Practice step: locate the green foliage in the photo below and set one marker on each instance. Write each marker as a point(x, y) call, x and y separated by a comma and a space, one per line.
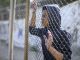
point(60, 2)
point(5, 3)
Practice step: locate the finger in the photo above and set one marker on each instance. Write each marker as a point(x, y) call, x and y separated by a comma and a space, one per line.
point(49, 33)
point(34, 1)
point(50, 37)
point(45, 38)
point(34, 4)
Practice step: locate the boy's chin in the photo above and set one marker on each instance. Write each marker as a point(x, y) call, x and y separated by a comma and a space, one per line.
point(42, 26)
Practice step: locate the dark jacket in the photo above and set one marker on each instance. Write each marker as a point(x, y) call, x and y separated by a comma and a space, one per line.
point(61, 38)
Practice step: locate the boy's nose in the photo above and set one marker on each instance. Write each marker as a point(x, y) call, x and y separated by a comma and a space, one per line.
point(42, 19)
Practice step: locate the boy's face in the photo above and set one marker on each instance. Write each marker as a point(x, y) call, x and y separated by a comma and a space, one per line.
point(45, 22)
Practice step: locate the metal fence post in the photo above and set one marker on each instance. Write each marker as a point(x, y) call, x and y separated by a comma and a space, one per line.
point(11, 21)
point(26, 30)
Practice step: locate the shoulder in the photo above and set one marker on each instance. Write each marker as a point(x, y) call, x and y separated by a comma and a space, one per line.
point(65, 33)
point(68, 36)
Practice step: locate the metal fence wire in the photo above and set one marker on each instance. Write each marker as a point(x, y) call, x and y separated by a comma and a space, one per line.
point(61, 19)
point(62, 39)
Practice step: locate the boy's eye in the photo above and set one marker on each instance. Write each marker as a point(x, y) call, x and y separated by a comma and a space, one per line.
point(43, 16)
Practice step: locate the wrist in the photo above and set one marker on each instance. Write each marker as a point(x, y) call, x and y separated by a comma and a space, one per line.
point(50, 48)
point(33, 12)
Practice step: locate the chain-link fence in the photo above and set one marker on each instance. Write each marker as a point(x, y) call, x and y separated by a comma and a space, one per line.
point(70, 21)
point(69, 11)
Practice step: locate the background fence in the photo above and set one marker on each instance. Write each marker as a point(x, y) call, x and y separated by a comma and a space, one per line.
point(70, 12)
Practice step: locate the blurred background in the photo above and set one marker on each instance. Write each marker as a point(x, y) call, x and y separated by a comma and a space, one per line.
point(70, 14)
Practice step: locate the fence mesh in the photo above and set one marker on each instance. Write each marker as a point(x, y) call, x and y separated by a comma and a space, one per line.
point(61, 43)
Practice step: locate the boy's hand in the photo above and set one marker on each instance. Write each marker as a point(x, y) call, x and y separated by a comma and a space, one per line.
point(49, 40)
point(34, 6)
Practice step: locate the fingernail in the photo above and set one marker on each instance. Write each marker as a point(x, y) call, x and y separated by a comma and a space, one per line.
point(44, 36)
point(49, 32)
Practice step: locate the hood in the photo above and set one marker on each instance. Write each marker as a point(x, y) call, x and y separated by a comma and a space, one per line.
point(54, 16)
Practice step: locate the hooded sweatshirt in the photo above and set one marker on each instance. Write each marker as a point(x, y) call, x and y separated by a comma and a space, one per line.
point(60, 37)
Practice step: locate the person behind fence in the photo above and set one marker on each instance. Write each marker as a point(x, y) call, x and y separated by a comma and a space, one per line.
point(55, 42)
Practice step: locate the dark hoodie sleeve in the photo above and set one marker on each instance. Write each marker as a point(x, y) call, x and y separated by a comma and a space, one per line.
point(35, 31)
point(67, 53)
